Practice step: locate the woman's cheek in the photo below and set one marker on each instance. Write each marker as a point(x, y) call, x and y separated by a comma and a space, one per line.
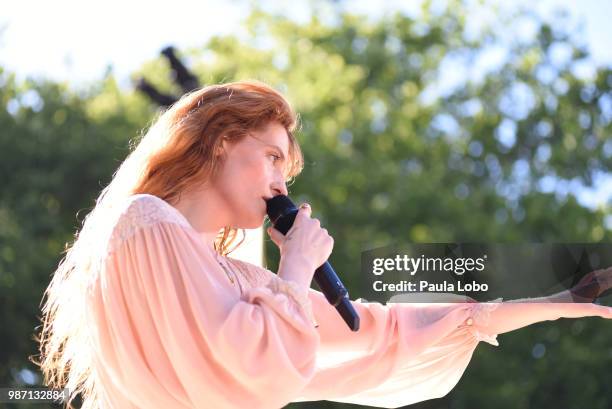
point(265, 171)
point(257, 175)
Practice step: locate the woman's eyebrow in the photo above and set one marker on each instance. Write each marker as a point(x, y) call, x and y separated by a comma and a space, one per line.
point(282, 155)
point(278, 149)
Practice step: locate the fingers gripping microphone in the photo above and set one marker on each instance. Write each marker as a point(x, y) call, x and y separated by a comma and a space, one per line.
point(282, 212)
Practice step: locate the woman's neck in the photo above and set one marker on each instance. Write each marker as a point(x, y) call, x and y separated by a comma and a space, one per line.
point(205, 214)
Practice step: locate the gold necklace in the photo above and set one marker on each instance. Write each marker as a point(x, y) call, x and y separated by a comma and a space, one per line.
point(225, 269)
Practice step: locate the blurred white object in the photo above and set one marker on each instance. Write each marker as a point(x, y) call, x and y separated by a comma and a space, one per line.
point(251, 250)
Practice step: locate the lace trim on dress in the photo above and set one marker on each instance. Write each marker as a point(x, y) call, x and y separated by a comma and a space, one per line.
point(296, 293)
point(480, 317)
point(256, 277)
point(262, 277)
point(142, 210)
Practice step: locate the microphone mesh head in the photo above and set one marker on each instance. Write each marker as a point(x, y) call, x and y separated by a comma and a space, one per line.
point(278, 206)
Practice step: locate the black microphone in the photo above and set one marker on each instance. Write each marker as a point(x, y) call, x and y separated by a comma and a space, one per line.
point(282, 212)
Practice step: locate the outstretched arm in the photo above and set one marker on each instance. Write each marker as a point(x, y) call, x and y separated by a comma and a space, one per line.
point(573, 303)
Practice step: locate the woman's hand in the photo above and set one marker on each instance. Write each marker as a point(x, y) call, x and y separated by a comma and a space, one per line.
point(592, 285)
point(584, 309)
point(581, 296)
point(573, 303)
point(304, 248)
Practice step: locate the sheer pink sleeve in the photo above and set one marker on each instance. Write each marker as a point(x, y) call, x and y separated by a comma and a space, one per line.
point(170, 331)
point(402, 353)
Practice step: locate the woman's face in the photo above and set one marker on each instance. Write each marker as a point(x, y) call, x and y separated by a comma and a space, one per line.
point(254, 169)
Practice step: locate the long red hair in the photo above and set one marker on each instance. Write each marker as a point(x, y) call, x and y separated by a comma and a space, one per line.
point(198, 123)
point(174, 156)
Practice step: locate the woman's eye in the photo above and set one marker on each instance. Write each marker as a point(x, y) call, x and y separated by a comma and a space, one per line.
point(276, 157)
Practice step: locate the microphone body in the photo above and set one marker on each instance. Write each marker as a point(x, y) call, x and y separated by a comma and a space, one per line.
point(282, 213)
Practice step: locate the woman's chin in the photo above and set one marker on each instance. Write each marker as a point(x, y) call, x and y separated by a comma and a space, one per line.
point(252, 224)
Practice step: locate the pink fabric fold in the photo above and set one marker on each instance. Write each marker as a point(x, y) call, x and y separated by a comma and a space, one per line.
point(169, 330)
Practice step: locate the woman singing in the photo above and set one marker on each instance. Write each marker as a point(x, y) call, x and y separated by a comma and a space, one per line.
point(146, 310)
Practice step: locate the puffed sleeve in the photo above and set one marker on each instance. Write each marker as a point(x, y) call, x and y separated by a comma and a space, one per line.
point(403, 353)
point(170, 330)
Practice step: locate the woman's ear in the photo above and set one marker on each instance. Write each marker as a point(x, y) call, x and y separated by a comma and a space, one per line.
point(220, 149)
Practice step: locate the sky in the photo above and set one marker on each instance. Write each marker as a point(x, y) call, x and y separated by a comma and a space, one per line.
point(73, 41)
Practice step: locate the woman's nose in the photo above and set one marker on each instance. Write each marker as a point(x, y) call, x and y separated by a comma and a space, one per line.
point(280, 188)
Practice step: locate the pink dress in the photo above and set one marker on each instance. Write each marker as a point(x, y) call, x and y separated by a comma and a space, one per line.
point(169, 330)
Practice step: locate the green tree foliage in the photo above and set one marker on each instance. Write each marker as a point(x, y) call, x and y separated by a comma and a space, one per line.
point(388, 160)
